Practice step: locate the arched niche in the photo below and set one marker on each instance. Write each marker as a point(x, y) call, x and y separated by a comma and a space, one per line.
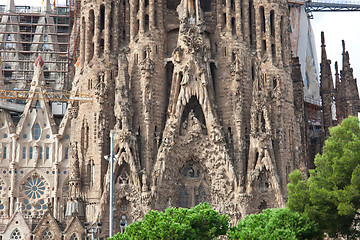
point(193, 188)
point(122, 175)
point(205, 5)
point(171, 40)
point(172, 4)
point(192, 117)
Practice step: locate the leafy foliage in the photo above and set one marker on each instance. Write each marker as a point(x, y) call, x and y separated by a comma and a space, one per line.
point(275, 224)
point(200, 222)
point(331, 195)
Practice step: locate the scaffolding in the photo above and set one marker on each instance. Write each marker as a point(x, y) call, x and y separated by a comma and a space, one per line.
point(26, 33)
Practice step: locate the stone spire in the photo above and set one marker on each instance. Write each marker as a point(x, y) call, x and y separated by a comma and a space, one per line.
point(349, 98)
point(338, 92)
point(326, 90)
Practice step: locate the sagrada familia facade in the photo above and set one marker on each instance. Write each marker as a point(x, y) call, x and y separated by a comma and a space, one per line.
point(203, 99)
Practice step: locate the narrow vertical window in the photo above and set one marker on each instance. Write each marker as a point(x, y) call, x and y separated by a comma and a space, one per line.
point(24, 153)
point(102, 17)
point(4, 154)
point(262, 18)
point(47, 153)
point(40, 152)
point(30, 152)
point(66, 153)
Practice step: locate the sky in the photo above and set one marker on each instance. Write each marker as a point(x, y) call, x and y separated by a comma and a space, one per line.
point(337, 26)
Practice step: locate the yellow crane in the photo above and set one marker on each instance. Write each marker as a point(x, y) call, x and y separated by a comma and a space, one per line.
point(57, 96)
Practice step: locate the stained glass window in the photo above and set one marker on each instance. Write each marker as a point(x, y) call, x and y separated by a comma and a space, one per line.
point(47, 234)
point(40, 152)
point(36, 132)
point(4, 153)
point(34, 188)
point(66, 153)
point(74, 237)
point(201, 197)
point(183, 197)
point(30, 152)
point(2, 208)
point(24, 153)
point(16, 234)
point(47, 153)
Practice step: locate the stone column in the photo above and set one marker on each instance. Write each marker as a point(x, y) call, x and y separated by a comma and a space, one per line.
point(245, 20)
point(82, 41)
point(160, 18)
point(267, 33)
point(238, 20)
point(258, 29)
point(142, 16)
point(116, 28)
point(133, 19)
point(152, 24)
point(108, 33)
point(97, 33)
point(89, 39)
point(228, 16)
point(12, 168)
point(277, 40)
point(219, 14)
point(56, 186)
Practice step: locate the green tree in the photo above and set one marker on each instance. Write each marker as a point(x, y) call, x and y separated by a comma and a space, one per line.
point(331, 195)
point(275, 224)
point(200, 222)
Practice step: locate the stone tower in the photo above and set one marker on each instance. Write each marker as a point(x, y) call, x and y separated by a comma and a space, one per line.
point(199, 97)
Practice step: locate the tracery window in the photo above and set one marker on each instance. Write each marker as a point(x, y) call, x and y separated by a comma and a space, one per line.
point(193, 186)
point(47, 234)
point(74, 237)
point(16, 234)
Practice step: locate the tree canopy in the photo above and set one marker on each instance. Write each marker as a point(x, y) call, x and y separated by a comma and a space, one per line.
point(200, 222)
point(331, 195)
point(275, 224)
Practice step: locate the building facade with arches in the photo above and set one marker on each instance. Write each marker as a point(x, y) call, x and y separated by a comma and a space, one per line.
point(204, 102)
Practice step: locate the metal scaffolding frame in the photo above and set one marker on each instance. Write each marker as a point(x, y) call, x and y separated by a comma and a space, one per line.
point(18, 54)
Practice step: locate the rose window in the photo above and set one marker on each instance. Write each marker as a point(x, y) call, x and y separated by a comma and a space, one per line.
point(34, 188)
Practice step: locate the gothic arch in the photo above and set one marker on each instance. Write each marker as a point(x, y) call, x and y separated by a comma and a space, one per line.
point(123, 174)
point(192, 115)
point(193, 184)
point(171, 41)
point(16, 234)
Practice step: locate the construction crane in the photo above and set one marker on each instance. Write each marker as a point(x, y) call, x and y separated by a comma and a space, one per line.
point(326, 6)
point(12, 98)
point(50, 96)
